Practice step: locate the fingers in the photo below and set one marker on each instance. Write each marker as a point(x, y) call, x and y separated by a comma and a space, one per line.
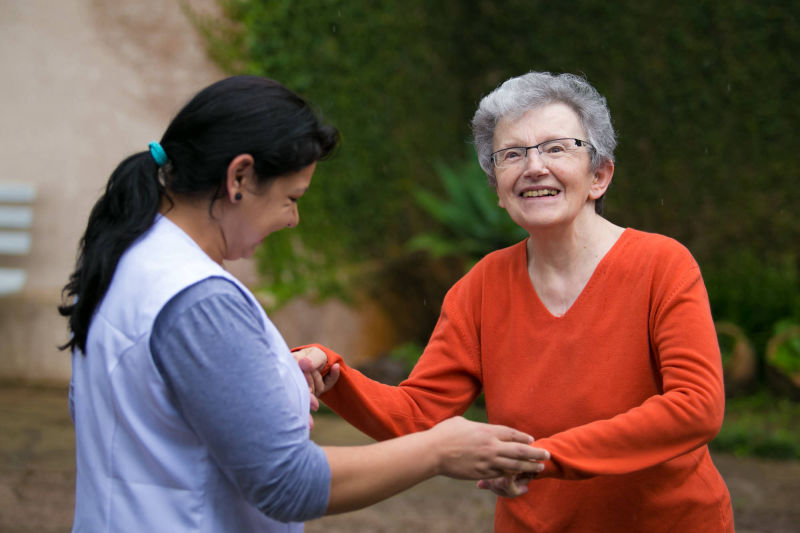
point(317, 383)
point(330, 380)
point(506, 486)
point(508, 434)
point(482, 451)
point(507, 466)
point(527, 453)
point(300, 354)
point(317, 357)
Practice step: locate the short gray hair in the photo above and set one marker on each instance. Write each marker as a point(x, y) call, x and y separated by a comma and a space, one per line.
point(536, 89)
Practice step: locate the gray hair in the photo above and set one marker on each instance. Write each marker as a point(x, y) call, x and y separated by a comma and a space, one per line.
point(536, 89)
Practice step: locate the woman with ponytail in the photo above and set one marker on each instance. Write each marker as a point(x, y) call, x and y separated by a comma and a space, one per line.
point(190, 412)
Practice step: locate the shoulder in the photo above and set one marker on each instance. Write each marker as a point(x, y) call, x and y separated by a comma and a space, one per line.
point(490, 274)
point(497, 261)
point(663, 264)
point(216, 298)
point(653, 249)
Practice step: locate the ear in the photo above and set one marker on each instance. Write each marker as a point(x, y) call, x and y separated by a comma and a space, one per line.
point(601, 180)
point(240, 176)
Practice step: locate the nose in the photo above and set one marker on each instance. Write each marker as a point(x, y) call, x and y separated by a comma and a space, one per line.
point(534, 162)
point(294, 218)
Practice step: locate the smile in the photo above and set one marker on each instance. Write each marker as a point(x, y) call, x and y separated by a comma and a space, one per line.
point(539, 192)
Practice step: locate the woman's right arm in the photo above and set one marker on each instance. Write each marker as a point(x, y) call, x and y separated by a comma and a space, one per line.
point(444, 382)
point(363, 475)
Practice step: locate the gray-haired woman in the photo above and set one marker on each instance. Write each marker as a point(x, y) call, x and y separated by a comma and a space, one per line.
point(596, 339)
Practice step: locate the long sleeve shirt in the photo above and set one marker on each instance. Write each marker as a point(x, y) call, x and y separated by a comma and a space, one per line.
point(209, 346)
point(624, 390)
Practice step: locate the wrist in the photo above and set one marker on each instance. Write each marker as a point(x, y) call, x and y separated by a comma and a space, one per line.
point(431, 451)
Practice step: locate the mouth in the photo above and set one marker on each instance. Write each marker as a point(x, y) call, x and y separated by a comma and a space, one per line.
point(538, 193)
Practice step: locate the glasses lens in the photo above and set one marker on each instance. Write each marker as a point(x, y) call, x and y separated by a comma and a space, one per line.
point(509, 156)
point(557, 147)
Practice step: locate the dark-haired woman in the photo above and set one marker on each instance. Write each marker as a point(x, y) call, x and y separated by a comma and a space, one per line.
point(190, 413)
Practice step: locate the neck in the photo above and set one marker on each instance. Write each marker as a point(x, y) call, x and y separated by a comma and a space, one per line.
point(564, 250)
point(193, 217)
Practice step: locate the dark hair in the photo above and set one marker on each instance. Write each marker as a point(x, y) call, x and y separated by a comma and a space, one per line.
point(237, 115)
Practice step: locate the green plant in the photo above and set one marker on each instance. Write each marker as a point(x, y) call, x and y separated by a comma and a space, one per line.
point(407, 353)
point(704, 101)
point(471, 222)
point(784, 348)
point(760, 425)
point(754, 292)
point(380, 74)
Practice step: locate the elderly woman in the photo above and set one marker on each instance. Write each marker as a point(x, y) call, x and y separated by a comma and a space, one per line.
point(596, 339)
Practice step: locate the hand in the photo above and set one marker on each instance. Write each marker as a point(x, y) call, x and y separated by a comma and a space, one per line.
point(312, 360)
point(509, 486)
point(471, 450)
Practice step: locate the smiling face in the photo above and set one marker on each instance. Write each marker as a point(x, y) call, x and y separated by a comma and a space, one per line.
point(541, 193)
point(262, 210)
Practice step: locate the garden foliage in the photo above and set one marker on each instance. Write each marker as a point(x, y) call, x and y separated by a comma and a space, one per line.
point(703, 95)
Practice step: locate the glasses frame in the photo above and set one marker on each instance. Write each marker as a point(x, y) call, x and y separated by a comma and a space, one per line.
point(579, 143)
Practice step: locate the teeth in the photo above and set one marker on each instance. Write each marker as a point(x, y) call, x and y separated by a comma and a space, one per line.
point(539, 192)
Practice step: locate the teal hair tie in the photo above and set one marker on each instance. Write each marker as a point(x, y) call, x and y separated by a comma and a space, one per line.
point(158, 153)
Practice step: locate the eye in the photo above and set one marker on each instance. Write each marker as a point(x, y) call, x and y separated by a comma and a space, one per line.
point(558, 146)
point(511, 154)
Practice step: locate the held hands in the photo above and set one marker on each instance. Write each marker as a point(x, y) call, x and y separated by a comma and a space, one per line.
point(471, 450)
point(508, 486)
point(311, 361)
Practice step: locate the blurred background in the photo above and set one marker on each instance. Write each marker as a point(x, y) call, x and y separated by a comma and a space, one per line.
point(703, 95)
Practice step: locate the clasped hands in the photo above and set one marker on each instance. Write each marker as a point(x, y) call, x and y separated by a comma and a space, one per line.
point(312, 362)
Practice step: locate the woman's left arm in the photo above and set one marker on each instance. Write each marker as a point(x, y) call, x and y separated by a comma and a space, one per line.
point(686, 415)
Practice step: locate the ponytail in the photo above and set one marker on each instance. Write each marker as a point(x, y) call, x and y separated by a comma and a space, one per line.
point(237, 115)
point(125, 211)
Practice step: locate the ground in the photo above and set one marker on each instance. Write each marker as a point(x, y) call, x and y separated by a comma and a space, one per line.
point(37, 476)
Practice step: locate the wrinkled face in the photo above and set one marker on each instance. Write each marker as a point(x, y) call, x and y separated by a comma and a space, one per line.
point(537, 192)
point(264, 210)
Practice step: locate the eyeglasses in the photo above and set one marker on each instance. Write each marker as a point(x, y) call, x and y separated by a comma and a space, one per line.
point(552, 150)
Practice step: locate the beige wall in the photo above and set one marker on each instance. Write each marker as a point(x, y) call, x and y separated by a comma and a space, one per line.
point(85, 83)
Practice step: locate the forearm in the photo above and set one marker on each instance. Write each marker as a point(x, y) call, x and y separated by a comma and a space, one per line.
point(438, 388)
point(661, 429)
point(381, 411)
point(457, 448)
point(364, 475)
point(687, 413)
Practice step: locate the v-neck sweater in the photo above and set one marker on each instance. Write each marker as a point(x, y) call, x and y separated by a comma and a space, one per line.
point(624, 390)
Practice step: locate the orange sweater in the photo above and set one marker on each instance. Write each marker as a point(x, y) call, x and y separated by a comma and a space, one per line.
point(625, 389)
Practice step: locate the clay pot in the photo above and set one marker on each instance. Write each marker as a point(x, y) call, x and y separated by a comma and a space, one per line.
point(739, 363)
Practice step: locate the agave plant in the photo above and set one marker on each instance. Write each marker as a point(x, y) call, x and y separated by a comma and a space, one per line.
point(472, 224)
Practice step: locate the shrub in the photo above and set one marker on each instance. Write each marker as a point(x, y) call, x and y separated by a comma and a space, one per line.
point(702, 94)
